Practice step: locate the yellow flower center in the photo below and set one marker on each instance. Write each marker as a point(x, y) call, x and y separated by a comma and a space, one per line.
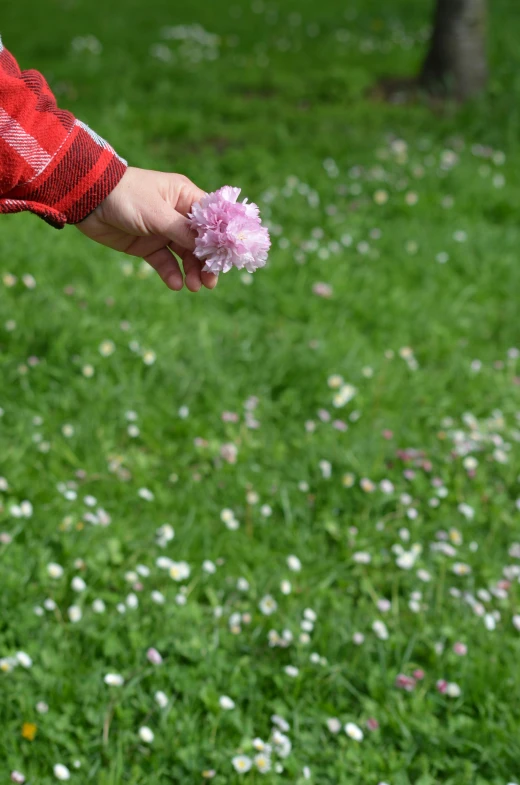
point(29, 730)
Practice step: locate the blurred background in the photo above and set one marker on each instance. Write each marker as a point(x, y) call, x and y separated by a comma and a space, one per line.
point(333, 441)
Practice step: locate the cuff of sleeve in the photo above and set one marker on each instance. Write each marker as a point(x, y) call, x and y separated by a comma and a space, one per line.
point(72, 187)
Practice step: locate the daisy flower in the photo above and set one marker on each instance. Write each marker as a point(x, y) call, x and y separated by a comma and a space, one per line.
point(294, 563)
point(268, 605)
point(114, 680)
point(242, 763)
point(354, 731)
point(262, 762)
point(226, 703)
point(146, 734)
point(61, 772)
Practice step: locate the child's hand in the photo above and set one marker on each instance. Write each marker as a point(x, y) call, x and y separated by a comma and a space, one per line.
point(145, 215)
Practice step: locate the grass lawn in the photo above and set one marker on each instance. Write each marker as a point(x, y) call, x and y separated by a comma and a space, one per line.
point(333, 441)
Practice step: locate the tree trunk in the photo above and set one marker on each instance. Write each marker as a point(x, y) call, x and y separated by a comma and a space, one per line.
point(456, 62)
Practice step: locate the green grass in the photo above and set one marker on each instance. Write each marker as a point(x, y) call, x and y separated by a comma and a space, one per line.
point(283, 96)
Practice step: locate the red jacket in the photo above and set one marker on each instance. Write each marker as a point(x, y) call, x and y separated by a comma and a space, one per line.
point(50, 163)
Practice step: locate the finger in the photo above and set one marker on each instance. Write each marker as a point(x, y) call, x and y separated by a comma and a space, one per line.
point(168, 268)
point(144, 246)
point(188, 194)
point(192, 271)
point(176, 227)
point(209, 280)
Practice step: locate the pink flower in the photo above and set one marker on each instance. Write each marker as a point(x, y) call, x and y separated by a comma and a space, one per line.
point(153, 656)
point(372, 723)
point(442, 686)
point(322, 289)
point(419, 674)
point(229, 453)
point(229, 417)
point(17, 776)
point(405, 682)
point(229, 233)
point(460, 648)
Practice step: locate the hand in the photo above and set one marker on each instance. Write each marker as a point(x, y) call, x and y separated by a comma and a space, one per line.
point(145, 215)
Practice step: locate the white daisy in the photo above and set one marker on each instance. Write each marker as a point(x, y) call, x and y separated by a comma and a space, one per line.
point(161, 699)
point(106, 348)
point(268, 605)
point(145, 494)
point(334, 725)
point(294, 563)
point(242, 763)
point(180, 571)
point(78, 584)
point(114, 680)
point(61, 772)
point(75, 613)
point(380, 630)
point(354, 731)
point(146, 734)
point(54, 570)
point(23, 659)
point(262, 762)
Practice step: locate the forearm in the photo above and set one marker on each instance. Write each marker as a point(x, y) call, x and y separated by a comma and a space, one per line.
point(50, 163)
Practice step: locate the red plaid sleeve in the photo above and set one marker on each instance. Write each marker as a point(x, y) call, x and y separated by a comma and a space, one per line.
point(50, 163)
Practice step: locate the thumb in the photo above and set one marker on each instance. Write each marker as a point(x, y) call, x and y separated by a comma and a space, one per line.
point(187, 196)
point(169, 223)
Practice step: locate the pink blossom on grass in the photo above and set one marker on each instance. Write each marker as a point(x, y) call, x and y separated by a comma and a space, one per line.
point(229, 417)
point(229, 452)
point(406, 683)
point(322, 289)
point(154, 657)
point(460, 648)
point(229, 233)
